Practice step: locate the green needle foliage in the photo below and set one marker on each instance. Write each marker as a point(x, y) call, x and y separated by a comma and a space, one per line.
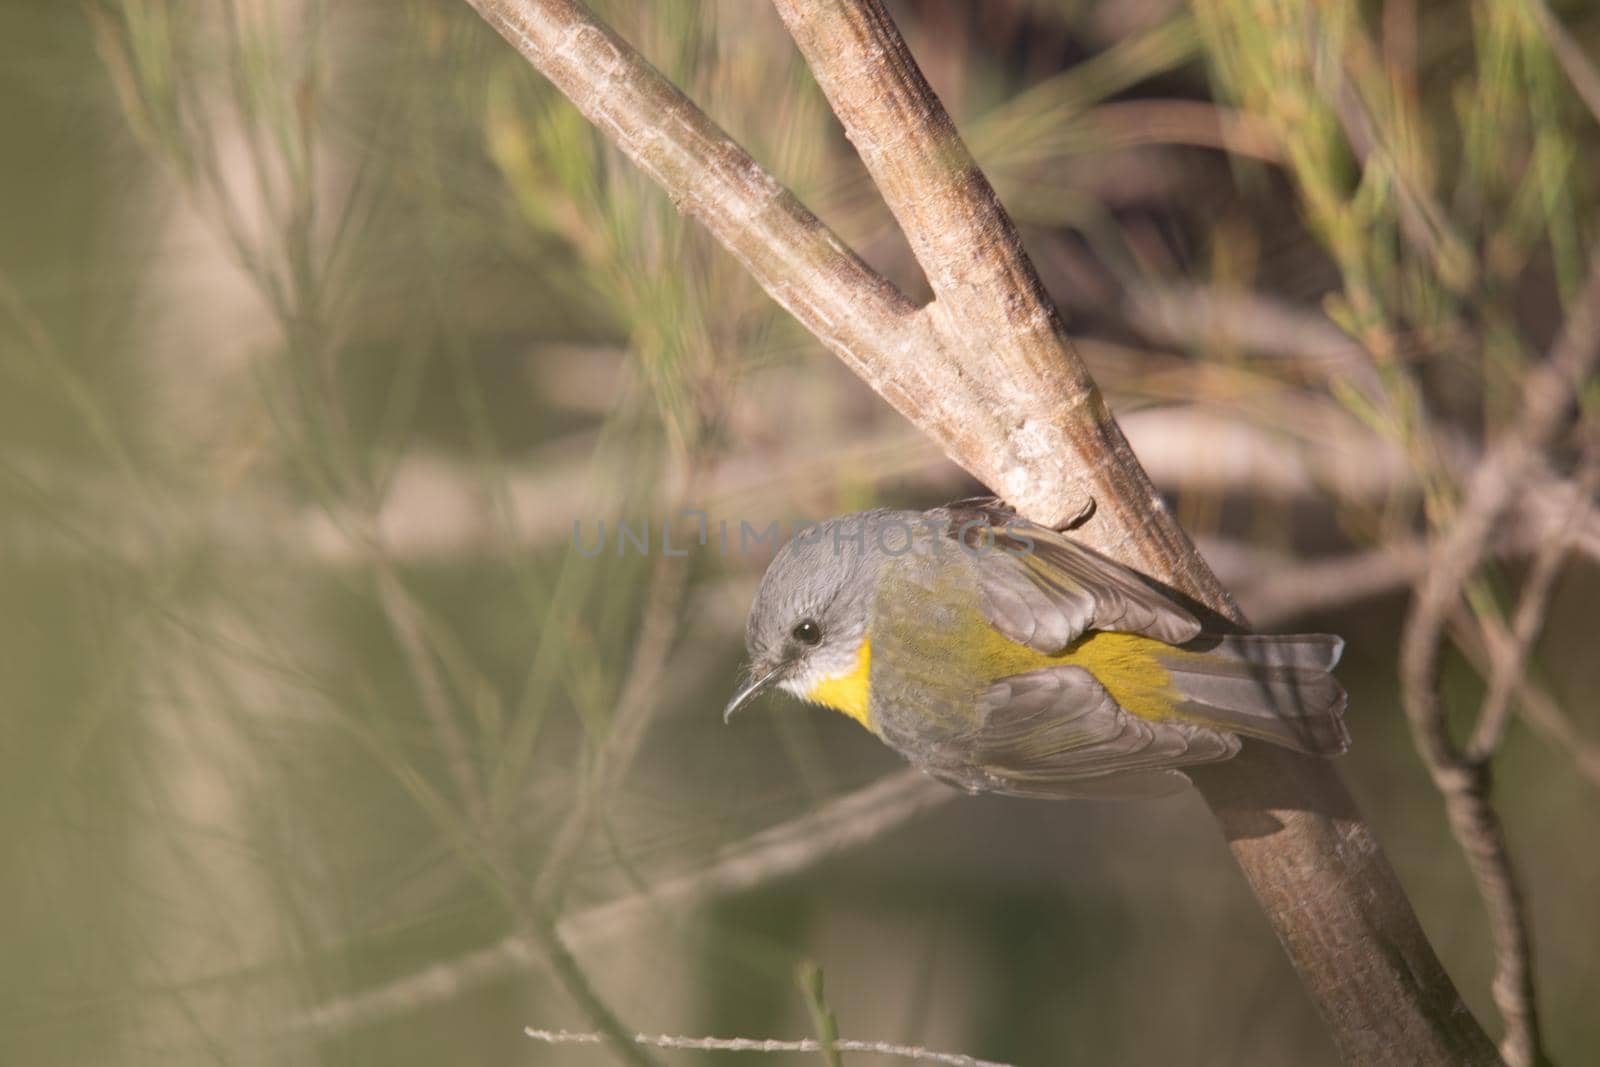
point(323, 324)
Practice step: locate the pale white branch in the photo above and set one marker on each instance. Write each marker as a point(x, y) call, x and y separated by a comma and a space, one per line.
point(767, 1044)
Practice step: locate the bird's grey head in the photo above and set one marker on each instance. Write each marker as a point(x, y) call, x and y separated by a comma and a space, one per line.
point(811, 612)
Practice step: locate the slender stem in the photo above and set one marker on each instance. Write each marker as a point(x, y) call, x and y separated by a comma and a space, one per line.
point(1548, 393)
point(767, 1044)
point(1511, 663)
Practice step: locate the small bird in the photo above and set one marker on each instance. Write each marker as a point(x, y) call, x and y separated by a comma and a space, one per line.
point(1004, 657)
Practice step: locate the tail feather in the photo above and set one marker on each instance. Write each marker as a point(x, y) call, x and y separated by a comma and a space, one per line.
point(1273, 687)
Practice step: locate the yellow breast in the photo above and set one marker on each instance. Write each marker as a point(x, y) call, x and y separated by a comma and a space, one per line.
point(850, 692)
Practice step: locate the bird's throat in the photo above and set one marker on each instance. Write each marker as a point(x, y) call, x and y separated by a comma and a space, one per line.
point(849, 693)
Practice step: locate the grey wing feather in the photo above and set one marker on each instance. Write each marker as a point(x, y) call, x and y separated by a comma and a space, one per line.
point(1058, 733)
point(1047, 593)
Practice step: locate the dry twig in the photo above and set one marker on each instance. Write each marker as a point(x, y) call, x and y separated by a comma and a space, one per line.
point(1569, 53)
point(1475, 637)
point(1547, 395)
point(1511, 659)
point(753, 1044)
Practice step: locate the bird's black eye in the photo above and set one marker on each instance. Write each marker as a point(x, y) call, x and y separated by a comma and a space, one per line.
point(807, 632)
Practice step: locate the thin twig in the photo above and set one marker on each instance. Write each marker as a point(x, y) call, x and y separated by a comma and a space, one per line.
point(1547, 395)
point(1286, 589)
point(777, 852)
point(1577, 66)
point(757, 1044)
point(1281, 591)
point(635, 706)
point(1475, 636)
point(1277, 590)
point(1510, 664)
point(535, 930)
point(577, 984)
point(1191, 315)
point(1423, 221)
point(823, 1021)
point(406, 623)
point(1544, 714)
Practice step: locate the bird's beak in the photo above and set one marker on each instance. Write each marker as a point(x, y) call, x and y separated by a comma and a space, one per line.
point(753, 687)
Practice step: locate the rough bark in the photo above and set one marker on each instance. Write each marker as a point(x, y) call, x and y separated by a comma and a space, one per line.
point(988, 372)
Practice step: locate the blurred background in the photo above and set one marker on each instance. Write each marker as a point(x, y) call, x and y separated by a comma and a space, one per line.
point(321, 325)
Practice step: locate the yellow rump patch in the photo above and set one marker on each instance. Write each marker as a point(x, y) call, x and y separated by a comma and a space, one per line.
point(1126, 664)
point(849, 693)
point(1128, 667)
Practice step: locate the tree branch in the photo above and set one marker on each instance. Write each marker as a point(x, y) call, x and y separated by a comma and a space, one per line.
point(986, 370)
point(1015, 365)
